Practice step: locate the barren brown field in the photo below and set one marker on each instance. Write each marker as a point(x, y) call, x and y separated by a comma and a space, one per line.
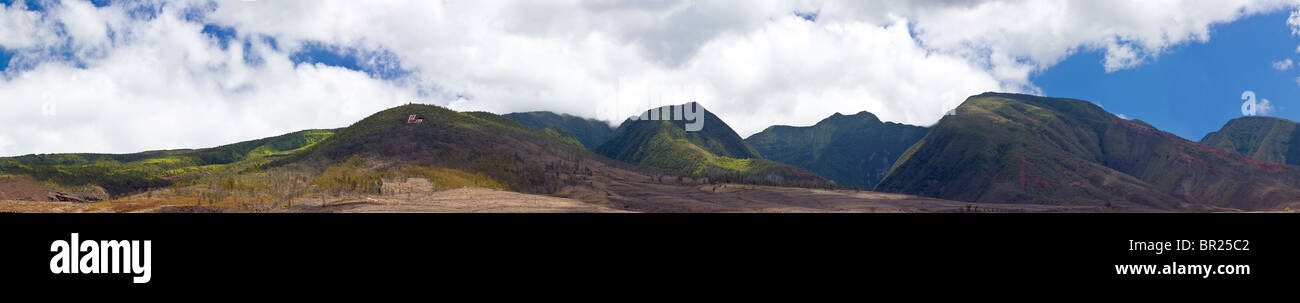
point(12, 206)
point(417, 196)
point(769, 199)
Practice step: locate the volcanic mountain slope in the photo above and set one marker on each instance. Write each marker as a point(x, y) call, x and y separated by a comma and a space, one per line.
point(126, 173)
point(592, 133)
point(715, 151)
point(1261, 138)
point(522, 159)
point(856, 150)
point(506, 152)
point(1028, 149)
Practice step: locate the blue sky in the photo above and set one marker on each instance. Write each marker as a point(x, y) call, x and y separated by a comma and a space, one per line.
point(1192, 89)
point(5, 55)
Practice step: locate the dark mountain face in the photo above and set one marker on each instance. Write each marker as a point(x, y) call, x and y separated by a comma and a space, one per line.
point(591, 133)
point(1028, 149)
point(856, 150)
point(1261, 138)
point(714, 151)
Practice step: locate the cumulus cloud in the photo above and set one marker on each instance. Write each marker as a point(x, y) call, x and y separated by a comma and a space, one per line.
point(1264, 107)
point(139, 75)
point(1283, 65)
point(1039, 34)
point(20, 28)
point(615, 53)
point(161, 84)
point(1294, 22)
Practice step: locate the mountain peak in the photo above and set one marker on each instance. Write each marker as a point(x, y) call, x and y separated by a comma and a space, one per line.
point(852, 150)
point(1015, 148)
point(1261, 138)
point(1261, 118)
point(715, 150)
point(860, 116)
point(714, 136)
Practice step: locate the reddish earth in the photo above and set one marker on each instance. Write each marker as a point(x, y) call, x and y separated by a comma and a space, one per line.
point(17, 188)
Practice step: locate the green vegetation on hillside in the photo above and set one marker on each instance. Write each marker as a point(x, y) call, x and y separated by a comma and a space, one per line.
point(716, 152)
point(592, 133)
point(511, 155)
point(561, 135)
point(449, 148)
point(1013, 148)
point(1261, 138)
point(121, 174)
point(359, 176)
point(856, 150)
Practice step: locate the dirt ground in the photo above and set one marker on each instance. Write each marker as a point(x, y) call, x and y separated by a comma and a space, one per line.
point(22, 189)
point(643, 197)
point(11, 206)
point(610, 195)
point(461, 200)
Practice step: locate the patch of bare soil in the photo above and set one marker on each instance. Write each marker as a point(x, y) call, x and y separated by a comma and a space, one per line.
point(636, 195)
point(189, 209)
point(17, 188)
point(11, 206)
point(461, 200)
point(22, 189)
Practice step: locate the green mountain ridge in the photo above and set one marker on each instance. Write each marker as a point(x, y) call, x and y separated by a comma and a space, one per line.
point(1026, 149)
point(856, 150)
point(507, 151)
point(562, 135)
point(591, 133)
point(121, 174)
point(1261, 138)
point(715, 151)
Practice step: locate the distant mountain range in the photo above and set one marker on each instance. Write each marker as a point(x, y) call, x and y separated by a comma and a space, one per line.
point(1028, 149)
point(994, 148)
point(855, 150)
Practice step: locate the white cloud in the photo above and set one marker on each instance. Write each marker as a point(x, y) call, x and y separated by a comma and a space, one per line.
point(160, 83)
point(163, 85)
point(1283, 65)
point(1043, 32)
point(1120, 56)
point(19, 28)
point(84, 23)
point(1265, 107)
point(1294, 22)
